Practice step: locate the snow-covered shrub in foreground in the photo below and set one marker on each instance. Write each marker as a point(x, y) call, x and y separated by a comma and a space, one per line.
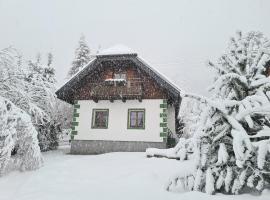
point(180, 152)
point(19, 149)
point(231, 153)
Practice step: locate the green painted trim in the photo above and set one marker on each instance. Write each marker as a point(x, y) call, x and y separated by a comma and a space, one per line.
point(164, 110)
point(162, 134)
point(163, 124)
point(76, 114)
point(165, 130)
point(76, 106)
point(75, 110)
point(75, 123)
point(74, 119)
point(164, 100)
point(93, 117)
point(163, 115)
point(74, 132)
point(165, 139)
point(72, 137)
point(128, 120)
point(164, 119)
point(163, 105)
point(76, 101)
point(73, 128)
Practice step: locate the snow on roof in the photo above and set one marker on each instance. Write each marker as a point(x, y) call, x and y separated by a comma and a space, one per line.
point(74, 75)
point(161, 75)
point(118, 49)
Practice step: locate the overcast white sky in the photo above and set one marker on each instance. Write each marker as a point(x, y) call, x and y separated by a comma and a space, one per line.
point(175, 36)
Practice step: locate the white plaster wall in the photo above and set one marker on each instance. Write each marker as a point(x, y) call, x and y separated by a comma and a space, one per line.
point(171, 118)
point(117, 124)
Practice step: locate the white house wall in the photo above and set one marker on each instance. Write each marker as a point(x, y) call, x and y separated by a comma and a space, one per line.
point(117, 124)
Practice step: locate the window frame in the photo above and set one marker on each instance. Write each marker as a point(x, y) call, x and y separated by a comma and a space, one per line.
point(129, 115)
point(94, 110)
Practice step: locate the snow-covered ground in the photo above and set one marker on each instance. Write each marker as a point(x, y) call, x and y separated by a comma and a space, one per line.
point(112, 176)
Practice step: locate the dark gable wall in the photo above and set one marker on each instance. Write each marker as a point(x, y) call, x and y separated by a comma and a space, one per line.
point(105, 70)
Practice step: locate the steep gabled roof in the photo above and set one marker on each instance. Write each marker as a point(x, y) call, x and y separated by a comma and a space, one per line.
point(117, 54)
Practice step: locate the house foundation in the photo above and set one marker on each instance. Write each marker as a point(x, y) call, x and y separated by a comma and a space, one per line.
point(102, 146)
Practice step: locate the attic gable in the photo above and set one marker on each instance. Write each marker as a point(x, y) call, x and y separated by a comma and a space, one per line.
point(115, 55)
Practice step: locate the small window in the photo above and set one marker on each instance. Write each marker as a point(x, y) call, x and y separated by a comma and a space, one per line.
point(120, 76)
point(100, 118)
point(136, 118)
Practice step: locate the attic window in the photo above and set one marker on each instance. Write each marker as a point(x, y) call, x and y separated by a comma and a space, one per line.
point(121, 76)
point(119, 79)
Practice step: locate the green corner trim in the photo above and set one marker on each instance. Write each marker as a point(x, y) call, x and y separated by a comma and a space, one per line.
point(163, 105)
point(76, 101)
point(75, 123)
point(74, 119)
point(163, 115)
point(74, 132)
point(76, 106)
point(164, 119)
point(164, 100)
point(74, 111)
point(76, 115)
point(164, 110)
point(165, 130)
point(162, 134)
point(163, 124)
point(73, 128)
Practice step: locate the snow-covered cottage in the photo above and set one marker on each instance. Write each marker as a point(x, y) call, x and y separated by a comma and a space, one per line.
point(120, 104)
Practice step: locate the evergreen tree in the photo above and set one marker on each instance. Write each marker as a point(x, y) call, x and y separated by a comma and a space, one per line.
point(232, 152)
point(42, 77)
point(82, 57)
point(18, 138)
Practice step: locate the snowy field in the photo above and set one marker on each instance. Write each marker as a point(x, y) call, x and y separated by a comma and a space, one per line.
point(118, 176)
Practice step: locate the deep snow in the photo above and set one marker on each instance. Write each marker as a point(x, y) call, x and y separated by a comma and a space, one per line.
point(118, 176)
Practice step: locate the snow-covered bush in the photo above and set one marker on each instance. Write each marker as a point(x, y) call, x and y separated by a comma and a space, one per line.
point(231, 155)
point(181, 151)
point(19, 149)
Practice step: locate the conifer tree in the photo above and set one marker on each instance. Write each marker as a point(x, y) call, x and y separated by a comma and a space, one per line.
point(82, 57)
point(233, 144)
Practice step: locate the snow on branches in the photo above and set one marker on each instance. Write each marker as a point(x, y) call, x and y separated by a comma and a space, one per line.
point(19, 149)
point(232, 155)
point(82, 57)
point(31, 86)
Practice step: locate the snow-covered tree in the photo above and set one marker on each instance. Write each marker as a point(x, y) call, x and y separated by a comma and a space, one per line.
point(232, 154)
point(42, 79)
point(31, 87)
point(19, 148)
point(189, 116)
point(82, 57)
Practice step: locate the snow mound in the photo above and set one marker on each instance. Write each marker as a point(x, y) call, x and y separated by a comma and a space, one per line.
point(118, 49)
